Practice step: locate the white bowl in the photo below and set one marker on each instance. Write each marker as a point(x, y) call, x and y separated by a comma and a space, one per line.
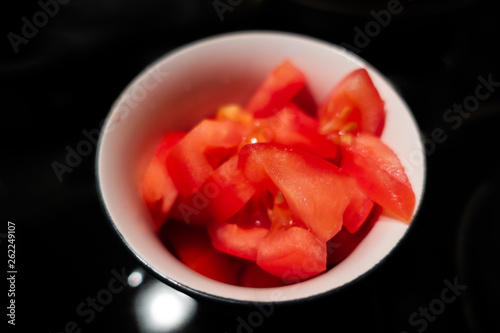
point(187, 85)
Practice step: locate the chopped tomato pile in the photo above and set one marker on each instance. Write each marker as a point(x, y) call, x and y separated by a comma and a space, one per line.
point(278, 190)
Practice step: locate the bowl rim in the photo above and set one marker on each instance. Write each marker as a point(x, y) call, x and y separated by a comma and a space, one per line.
point(193, 292)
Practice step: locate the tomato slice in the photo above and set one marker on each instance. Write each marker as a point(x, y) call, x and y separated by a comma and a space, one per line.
point(379, 174)
point(277, 90)
point(192, 245)
point(317, 191)
point(358, 210)
point(353, 106)
point(158, 189)
point(292, 253)
point(188, 160)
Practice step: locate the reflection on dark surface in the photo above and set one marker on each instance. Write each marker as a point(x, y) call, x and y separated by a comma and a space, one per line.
point(63, 80)
point(159, 308)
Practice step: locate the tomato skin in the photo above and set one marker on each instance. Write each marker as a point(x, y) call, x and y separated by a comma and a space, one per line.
point(188, 161)
point(316, 191)
point(354, 105)
point(276, 91)
point(157, 187)
point(380, 174)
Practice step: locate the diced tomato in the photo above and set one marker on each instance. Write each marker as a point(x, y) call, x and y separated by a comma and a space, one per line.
point(158, 189)
point(192, 245)
point(276, 91)
point(255, 196)
point(353, 106)
point(253, 276)
point(231, 190)
point(188, 161)
point(316, 191)
point(358, 210)
point(379, 174)
point(292, 253)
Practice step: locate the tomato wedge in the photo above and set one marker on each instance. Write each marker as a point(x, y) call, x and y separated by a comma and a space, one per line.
point(188, 161)
point(276, 91)
point(353, 106)
point(158, 189)
point(316, 191)
point(379, 174)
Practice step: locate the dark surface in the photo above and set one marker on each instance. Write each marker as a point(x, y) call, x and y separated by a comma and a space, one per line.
point(67, 75)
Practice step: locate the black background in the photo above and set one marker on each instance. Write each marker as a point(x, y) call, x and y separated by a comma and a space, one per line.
point(64, 78)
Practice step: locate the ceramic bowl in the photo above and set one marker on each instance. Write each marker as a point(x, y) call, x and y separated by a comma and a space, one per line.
point(188, 84)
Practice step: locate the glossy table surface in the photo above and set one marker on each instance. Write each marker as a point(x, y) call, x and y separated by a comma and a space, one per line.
point(64, 63)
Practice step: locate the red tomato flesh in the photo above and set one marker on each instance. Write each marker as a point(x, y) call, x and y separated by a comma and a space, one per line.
point(353, 106)
point(344, 242)
point(158, 189)
point(231, 190)
point(379, 174)
point(292, 253)
point(358, 210)
point(241, 234)
point(276, 91)
point(317, 191)
point(192, 245)
point(253, 276)
point(293, 127)
point(255, 196)
point(188, 161)
point(237, 240)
